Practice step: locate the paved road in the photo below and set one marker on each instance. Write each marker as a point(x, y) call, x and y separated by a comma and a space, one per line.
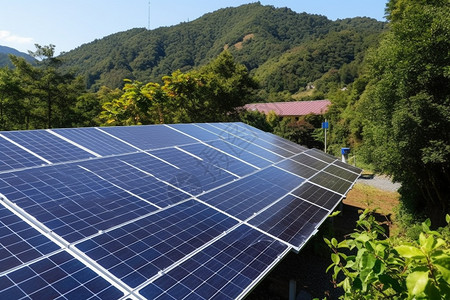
point(381, 182)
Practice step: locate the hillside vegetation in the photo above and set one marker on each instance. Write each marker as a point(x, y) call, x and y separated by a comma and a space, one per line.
point(263, 38)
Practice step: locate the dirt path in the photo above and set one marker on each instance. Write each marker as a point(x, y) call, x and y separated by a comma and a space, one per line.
point(381, 182)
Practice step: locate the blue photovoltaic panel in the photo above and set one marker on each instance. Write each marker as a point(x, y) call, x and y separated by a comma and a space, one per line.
point(347, 166)
point(220, 159)
point(150, 136)
point(71, 201)
point(19, 242)
point(321, 155)
point(137, 251)
point(296, 168)
point(247, 196)
point(241, 153)
point(274, 148)
point(60, 275)
point(95, 140)
point(223, 270)
point(139, 183)
point(274, 139)
point(290, 219)
point(317, 195)
point(249, 146)
point(47, 145)
point(194, 171)
point(12, 157)
point(195, 131)
point(332, 182)
point(341, 172)
point(129, 211)
point(309, 161)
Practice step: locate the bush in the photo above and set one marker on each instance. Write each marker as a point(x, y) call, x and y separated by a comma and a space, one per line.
point(375, 266)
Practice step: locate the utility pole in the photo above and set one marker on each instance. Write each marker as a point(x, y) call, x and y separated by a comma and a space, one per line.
point(325, 127)
point(148, 25)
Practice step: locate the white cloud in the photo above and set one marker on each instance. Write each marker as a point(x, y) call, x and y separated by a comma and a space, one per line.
point(15, 41)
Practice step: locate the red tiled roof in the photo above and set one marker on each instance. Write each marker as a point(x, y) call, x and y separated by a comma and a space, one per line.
point(296, 108)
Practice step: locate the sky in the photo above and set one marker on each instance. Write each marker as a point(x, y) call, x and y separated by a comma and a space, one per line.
point(68, 24)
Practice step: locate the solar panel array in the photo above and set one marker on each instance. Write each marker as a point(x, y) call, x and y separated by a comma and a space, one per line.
point(185, 211)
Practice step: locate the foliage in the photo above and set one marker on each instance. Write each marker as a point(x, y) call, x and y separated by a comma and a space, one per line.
point(256, 35)
point(211, 93)
point(301, 131)
point(405, 105)
point(374, 266)
point(38, 96)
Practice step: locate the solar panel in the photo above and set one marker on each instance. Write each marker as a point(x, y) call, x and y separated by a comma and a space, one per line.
point(20, 243)
point(137, 182)
point(247, 196)
point(96, 140)
point(222, 270)
point(137, 251)
point(149, 137)
point(193, 211)
point(290, 219)
point(47, 145)
point(13, 157)
point(220, 159)
point(71, 201)
point(59, 275)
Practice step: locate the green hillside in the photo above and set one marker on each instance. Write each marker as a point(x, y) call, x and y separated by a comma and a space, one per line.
point(6, 51)
point(263, 38)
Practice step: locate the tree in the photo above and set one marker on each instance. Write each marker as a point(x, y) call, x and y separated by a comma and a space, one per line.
point(49, 95)
point(406, 105)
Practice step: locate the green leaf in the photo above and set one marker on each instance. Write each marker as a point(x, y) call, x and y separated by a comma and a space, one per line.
point(416, 283)
point(447, 218)
point(443, 266)
point(335, 258)
point(334, 242)
point(334, 214)
point(409, 251)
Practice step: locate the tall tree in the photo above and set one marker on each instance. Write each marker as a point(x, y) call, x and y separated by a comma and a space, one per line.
point(406, 105)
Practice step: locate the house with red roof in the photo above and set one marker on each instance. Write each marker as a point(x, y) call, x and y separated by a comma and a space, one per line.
point(291, 109)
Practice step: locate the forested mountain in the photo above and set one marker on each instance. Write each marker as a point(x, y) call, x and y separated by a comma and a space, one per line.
point(4, 58)
point(283, 48)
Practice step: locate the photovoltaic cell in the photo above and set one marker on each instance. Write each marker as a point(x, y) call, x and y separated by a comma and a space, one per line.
point(321, 155)
point(240, 153)
point(221, 271)
point(309, 161)
point(331, 182)
point(220, 159)
point(194, 171)
point(195, 131)
point(247, 196)
point(342, 173)
point(274, 148)
point(107, 207)
point(296, 168)
point(60, 275)
point(47, 145)
point(137, 251)
point(139, 183)
point(149, 137)
point(71, 201)
point(347, 166)
point(254, 149)
point(19, 242)
point(290, 219)
point(13, 157)
point(95, 140)
point(317, 195)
